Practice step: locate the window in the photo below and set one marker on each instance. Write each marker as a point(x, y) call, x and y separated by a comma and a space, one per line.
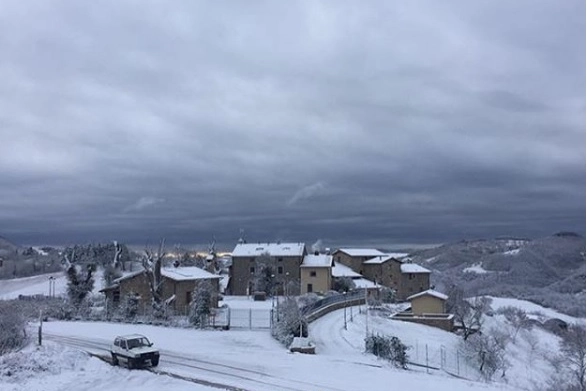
point(188, 297)
point(279, 259)
point(116, 297)
point(411, 276)
point(310, 288)
point(338, 258)
point(312, 274)
point(280, 270)
point(252, 269)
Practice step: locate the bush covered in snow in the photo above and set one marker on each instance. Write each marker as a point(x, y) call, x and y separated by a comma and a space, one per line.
point(289, 322)
point(12, 328)
point(389, 348)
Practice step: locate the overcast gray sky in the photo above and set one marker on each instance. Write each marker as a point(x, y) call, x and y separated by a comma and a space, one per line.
point(352, 122)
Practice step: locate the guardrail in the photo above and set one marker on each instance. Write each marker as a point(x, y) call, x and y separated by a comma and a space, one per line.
point(324, 306)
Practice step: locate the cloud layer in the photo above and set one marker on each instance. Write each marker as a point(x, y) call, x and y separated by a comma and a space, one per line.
point(414, 122)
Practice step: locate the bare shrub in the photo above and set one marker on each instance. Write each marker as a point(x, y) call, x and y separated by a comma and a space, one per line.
point(12, 328)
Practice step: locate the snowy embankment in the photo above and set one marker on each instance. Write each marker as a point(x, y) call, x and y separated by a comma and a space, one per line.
point(52, 367)
point(443, 352)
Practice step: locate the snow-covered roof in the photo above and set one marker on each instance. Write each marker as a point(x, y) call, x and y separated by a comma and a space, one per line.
point(340, 270)
point(429, 292)
point(361, 252)
point(320, 260)
point(364, 283)
point(413, 268)
point(274, 249)
point(187, 273)
point(384, 258)
point(128, 275)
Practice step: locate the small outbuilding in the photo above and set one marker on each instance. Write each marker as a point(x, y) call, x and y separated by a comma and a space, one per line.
point(428, 308)
point(428, 302)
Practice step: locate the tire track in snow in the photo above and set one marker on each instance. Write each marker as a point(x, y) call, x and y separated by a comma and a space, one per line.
point(195, 363)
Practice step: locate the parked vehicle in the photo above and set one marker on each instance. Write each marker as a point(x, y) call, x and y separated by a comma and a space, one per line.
point(134, 350)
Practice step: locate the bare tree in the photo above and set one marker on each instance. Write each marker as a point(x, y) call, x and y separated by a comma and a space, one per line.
point(152, 263)
point(516, 317)
point(468, 314)
point(570, 364)
point(488, 350)
point(12, 327)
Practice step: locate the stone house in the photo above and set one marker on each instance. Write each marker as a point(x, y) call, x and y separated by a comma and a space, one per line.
point(342, 271)
point(354, 257)
point(414, 279)
point(285, 258)
point(389, 270)
point(316, 273)
point(178, 283)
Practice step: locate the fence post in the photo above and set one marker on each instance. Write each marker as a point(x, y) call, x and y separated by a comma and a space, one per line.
point(458, 366)
point(250, 318)
point(40, 327)
point(427, 370)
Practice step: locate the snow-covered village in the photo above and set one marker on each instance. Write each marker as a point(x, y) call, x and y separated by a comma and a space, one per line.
point(307, 195)
point(277, 316)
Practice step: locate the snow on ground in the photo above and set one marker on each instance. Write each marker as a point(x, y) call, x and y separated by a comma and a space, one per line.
point(52, 367)
point(246, 302)
point(35, 285)
point(338, 366)
point(39, 285)
point(533, 309)
point(476, 268)
point(512, 252)
point(440, 349)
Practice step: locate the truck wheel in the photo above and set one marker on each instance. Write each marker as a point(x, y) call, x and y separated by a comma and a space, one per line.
point(155, 361)
point(131, 363)
point(114, 359)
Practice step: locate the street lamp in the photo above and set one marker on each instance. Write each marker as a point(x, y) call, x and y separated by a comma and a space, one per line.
point(344, 310)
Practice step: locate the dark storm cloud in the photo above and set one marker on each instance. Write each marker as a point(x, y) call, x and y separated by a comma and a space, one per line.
point(417, 122)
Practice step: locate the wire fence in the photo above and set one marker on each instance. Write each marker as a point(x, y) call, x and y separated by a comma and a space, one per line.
point(432, 358)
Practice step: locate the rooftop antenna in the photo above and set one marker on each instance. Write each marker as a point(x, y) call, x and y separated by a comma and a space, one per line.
point(242, 239)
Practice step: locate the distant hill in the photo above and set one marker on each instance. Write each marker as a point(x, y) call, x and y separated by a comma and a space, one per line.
point(549, 271)
point(7, 247)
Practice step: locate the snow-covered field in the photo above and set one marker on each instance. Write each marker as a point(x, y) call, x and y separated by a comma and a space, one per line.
point(537, 311)
point(35, 285)
point(39, 285)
